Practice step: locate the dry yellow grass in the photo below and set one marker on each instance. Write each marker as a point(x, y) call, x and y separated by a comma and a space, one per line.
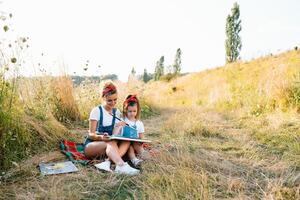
point(222, 162)
point(262, 83)
point(225, 133)
point(66, 109)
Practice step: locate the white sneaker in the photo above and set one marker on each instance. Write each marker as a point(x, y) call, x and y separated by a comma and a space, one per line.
point(126, 169)
point(105, 166)
point(136, 162)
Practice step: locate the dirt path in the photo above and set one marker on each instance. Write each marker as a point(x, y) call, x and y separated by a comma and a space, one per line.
point(234, 163)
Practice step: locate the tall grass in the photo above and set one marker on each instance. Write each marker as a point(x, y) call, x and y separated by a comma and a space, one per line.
point(13, 139)
point(29, 114)
point(294, 92)
point(65, 108)
point(262, 85)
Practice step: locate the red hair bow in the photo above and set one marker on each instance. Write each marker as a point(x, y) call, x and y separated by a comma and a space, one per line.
point(131, 99)
point(107, 89)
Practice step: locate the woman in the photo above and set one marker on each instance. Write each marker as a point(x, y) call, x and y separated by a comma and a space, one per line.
point(102, 123)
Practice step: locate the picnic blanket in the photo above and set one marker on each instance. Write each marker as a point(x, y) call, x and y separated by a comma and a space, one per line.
point(74, 151)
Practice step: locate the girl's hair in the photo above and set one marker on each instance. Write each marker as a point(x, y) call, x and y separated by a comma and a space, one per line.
point(131, 100)
point(109, 89)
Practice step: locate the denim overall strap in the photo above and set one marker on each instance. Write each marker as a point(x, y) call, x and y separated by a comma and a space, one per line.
point(101, 128)
point(100, 122)
point(108, 129)
point(114, 117)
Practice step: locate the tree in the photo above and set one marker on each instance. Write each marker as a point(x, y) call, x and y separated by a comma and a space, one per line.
point(159, 69)
point(146, 76)
point(133, 72)
point(177, 62)
point(112, 77)
point(233, 43)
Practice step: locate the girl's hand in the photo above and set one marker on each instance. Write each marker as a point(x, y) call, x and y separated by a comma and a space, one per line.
point(141, 135)
point(120, 124)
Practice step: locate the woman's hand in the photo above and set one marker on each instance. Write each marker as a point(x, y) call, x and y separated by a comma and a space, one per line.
point(95, 137)
point(105, 137)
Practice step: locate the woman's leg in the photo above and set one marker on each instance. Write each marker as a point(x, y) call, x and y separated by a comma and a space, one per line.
point(114, 153)
point(95, 149)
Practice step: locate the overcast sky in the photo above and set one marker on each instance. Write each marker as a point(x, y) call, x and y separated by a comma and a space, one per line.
point(119, 35)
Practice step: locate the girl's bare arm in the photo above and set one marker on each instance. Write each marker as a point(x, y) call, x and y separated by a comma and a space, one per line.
point(141, 135)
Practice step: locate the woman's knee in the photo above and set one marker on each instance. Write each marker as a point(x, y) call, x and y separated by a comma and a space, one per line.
point(95, 149)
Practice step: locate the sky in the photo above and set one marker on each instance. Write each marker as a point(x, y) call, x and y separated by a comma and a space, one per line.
point(119, 35)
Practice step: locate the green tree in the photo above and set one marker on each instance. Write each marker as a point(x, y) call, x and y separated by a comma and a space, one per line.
point(159, 69)
point(133, 72)
point(146, 76)
point(233, 43)
point(112, 77)
point(177, 62)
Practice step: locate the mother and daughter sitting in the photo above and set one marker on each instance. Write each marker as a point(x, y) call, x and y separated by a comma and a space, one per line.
point(105, 121)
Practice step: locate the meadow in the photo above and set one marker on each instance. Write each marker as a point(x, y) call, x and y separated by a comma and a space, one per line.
point(232, 132)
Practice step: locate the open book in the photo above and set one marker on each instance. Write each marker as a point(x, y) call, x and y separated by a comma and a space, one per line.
point(128, 134)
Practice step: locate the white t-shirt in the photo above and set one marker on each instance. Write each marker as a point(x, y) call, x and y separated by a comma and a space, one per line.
point(139, 125)
point(107, 118)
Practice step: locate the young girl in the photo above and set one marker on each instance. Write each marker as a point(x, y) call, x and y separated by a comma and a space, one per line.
point(103, 121)
point(131, 114)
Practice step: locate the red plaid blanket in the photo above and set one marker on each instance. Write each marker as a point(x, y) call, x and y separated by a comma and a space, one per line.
point(74, 151)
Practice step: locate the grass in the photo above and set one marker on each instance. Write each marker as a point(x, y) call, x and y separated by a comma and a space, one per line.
point(226, 133)
point(221, 161)
point(262, 85)
point(31, 124)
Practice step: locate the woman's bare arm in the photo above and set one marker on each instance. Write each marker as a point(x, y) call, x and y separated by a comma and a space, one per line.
point(92, 132)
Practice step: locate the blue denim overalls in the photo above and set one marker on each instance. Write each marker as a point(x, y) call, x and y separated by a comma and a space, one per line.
point(101, 129)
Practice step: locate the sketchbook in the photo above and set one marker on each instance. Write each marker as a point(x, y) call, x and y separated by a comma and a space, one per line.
point(129, 134)
point(57, 168)
point(120, 137)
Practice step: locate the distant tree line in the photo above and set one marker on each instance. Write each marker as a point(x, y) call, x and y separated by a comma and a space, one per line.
point(77, 80)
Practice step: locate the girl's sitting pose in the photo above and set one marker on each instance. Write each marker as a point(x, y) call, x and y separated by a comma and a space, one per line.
point(131, 114)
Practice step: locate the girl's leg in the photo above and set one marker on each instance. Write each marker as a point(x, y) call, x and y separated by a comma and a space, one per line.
point(134, 160)
point(123, 147)
point(138, 148)
point(131, 153)
point(95, 149)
